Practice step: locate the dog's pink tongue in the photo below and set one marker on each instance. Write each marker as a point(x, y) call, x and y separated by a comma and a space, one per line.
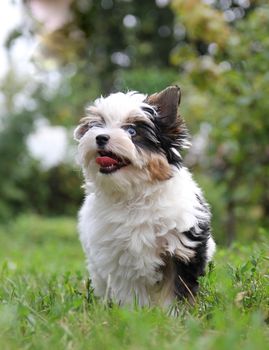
point(106, 161)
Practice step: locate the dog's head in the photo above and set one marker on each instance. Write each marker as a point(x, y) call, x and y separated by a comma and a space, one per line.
point(129, 138)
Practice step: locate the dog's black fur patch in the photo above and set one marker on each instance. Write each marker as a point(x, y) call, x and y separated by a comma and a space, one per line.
point(169, 128)
point(187, 274)
point(162, 137)
point(171, 136)
point(186, 282)
point(146, 137)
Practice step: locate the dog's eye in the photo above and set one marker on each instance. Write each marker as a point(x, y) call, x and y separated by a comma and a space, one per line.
point(131, 131)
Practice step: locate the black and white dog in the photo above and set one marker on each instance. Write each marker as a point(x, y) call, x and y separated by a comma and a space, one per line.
point(144, 225)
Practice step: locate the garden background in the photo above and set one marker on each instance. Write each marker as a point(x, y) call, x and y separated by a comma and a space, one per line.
point(57, 56)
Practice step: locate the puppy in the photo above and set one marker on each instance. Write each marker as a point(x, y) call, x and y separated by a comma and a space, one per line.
point(144, 225)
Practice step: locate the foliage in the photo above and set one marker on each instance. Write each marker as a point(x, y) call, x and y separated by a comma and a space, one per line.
point(90, 64)
point(14, 159)
point(218, 55)
point(133, 35)
point(25, 186)
point(55, 191)
point(232, 83)
point(202, 22)
point(46, 301)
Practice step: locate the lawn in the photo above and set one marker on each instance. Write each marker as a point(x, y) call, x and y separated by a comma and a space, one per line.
point(46, 301)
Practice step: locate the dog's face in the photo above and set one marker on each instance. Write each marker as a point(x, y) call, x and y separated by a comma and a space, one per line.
point(129, 138)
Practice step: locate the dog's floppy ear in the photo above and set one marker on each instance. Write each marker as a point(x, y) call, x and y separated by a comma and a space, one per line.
point(81, 129)
point(166, 103)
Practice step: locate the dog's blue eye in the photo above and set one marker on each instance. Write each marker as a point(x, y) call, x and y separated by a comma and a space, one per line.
point(131, 131)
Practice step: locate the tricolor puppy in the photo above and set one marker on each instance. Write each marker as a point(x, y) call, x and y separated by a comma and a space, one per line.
point(144, 225)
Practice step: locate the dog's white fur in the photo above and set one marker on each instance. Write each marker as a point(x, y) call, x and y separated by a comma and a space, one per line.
point(127, 221)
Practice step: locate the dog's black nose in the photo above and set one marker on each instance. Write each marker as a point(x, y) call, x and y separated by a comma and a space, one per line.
point(102, 139)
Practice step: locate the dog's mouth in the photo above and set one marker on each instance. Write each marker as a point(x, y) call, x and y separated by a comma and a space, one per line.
point(110, 162)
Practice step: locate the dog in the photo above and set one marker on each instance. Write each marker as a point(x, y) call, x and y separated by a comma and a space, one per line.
point(144, 225)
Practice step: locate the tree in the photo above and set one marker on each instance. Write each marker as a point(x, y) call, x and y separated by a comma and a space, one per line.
point(217, 53)
point(233, 81)
point(106, 38)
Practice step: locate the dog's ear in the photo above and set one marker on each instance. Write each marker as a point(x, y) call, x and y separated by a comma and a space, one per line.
point(166, 103)
point(173, 132)
point(81, 129)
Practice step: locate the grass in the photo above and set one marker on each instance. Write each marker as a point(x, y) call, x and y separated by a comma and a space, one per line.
point(46, 301)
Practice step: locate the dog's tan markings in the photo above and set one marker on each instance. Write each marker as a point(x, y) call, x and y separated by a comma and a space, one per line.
point(159, 168)
point(165, 289)
point(176, 130)
point(86, 122)
point(81, 130)
point(161, 245)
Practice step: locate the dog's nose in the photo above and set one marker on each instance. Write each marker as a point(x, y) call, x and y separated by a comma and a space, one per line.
point(102, 139)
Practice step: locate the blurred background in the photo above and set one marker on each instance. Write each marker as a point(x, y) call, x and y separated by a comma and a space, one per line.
point(58, 55)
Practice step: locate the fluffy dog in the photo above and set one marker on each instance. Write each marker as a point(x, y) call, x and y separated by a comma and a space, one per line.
point(144, 224)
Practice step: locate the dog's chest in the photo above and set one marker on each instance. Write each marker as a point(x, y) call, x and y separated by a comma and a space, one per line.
point(124, 242)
